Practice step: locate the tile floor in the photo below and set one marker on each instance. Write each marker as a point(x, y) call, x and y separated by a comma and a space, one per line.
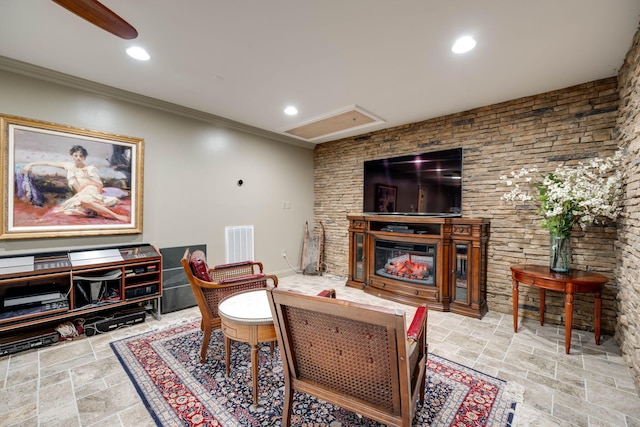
point(81, 383)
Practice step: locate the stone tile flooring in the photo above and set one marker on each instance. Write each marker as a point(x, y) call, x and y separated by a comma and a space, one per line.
point(81, 383)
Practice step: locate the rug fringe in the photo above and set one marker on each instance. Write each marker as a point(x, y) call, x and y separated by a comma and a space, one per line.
point(524, 415)
point(514, 391)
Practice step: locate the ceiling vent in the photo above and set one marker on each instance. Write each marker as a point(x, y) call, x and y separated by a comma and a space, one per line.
point(346, 119)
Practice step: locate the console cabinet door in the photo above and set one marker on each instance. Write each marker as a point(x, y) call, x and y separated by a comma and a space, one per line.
point(357, 253)
point(358, 273)
point(468, 286)
point(356, 259)
point(460, 272)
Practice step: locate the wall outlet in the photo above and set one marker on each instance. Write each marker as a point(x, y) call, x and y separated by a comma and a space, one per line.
point(284, 253)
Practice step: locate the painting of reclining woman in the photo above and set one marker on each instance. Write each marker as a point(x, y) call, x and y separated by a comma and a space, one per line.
point(61, 182)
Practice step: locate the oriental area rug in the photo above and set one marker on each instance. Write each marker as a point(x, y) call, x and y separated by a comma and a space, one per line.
point(179, 391)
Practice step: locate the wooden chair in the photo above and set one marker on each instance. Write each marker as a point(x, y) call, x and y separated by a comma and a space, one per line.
point(356, 356)
point(211, 285)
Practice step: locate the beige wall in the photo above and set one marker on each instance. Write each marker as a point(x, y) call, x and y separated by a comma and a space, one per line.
point(191, 169)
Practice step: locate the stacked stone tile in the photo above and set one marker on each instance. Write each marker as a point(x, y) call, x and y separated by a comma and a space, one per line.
point(566, 125)
point(579, 122)
point(628, 245)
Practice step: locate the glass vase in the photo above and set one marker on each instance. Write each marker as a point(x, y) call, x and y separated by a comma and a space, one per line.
point(560, 253)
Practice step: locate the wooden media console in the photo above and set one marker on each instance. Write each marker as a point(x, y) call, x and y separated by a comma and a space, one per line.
point(438, 261)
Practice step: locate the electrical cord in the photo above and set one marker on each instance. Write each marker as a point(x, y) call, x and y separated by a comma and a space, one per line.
point(67, 330)
point(323, 266)
point(290, 266)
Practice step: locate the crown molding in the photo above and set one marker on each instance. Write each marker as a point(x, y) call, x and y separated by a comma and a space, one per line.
point(40, 73)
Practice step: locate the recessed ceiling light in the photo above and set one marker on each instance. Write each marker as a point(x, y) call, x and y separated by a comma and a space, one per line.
point(138, 53)
point(463, 44)
point(291, 110)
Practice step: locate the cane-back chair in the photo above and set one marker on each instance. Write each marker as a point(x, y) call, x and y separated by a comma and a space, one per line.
point(356, 356)
point(211, 285)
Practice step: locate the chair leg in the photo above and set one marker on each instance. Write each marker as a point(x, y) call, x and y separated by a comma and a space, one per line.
point(423, 384)
point(287, 405)
point(227, 355)
point(205, 344)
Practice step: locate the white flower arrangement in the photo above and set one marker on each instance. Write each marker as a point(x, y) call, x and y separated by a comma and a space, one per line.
point(584, 194)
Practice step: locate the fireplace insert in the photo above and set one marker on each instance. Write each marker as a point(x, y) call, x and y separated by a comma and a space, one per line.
point(408, 262)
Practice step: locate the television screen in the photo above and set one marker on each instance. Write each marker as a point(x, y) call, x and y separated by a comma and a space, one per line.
point(418, 184)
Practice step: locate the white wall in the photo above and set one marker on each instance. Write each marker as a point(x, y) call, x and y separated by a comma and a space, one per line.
point(191, 169)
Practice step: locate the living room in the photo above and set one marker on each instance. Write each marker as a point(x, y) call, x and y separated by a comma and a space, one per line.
point(193, 164)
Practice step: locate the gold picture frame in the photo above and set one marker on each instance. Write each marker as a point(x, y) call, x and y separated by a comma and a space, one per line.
point(62, 181)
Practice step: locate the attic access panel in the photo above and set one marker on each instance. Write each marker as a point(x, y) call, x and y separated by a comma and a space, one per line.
point(334, 123)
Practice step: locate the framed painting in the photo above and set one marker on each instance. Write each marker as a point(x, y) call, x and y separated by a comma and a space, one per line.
point(386, 198)
point(60, 181)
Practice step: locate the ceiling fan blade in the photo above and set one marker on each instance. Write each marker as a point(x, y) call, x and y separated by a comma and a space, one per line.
point(100, 15)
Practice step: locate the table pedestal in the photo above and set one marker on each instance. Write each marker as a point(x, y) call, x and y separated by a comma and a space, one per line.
point(573, 282)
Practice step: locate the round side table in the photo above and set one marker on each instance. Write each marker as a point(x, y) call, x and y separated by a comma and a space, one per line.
point(246, 317)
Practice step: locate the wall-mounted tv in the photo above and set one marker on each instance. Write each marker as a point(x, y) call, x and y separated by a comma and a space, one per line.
point(419, 184)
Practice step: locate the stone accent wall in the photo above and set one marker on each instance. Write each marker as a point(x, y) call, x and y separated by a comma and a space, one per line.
point(628, 273)
point(561, 126)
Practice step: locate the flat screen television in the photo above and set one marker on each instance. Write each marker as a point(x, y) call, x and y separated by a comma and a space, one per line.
point(427, 184)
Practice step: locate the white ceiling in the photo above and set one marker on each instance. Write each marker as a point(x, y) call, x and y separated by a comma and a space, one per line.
point(246, 60)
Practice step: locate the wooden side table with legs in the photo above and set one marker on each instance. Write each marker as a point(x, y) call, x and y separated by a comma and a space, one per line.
point(573, 282)
point(246, 317)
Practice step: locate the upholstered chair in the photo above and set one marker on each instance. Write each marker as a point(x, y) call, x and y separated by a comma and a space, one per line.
point(211, 285)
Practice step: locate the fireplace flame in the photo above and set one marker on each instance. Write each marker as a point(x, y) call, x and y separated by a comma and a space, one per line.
point(408, 269)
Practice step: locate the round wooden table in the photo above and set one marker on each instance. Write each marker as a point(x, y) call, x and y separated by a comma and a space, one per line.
point(573, 282)
point(246, 317)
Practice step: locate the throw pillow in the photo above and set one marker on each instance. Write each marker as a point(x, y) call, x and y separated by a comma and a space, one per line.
point(199, 266)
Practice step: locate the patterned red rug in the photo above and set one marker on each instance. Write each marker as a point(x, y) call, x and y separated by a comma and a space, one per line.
point(178, 390)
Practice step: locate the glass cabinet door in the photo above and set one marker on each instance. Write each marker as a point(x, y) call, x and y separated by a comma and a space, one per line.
point(359, 254)
point(460, 279)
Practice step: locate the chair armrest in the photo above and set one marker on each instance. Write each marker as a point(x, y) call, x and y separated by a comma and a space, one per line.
point(329, 293)
point(239, 264)
point(233, 264)
point(417, 324)
point(251, 277)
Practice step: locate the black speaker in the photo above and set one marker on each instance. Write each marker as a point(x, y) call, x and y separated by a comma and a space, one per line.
point(100, 326)
point(16, 344)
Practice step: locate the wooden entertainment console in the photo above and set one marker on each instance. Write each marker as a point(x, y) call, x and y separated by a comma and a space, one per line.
point(36, 289)
point(438, 261)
